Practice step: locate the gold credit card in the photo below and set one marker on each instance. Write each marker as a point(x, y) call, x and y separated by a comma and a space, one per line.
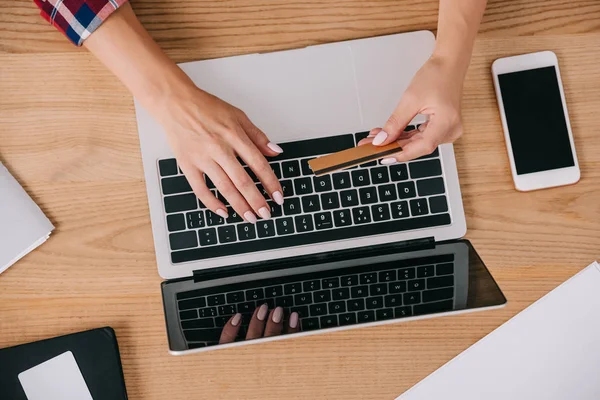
point(351, 157)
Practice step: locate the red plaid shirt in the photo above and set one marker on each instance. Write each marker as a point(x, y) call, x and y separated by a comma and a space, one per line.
point(77, 19)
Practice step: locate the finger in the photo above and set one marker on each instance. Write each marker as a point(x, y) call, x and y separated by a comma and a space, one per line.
point(403, 135)
point(421, 144)
point(258, 137)
point(230, 192)
point(195, 177)
point(257, 322)
point(231, 329)
point(275, 323)
point(401, 116)
point(293, 323)
point(259, 165)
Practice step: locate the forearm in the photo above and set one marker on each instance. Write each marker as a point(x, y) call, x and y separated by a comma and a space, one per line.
point(123, 45)
point(458, 23)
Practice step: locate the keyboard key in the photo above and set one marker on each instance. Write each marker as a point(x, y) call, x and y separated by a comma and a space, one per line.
point(368, 164)
point(419, 207)
point(393, 300)
point(221, 321)
point(323, 220)
point(438, 204)
point(365, 316)
point(406, 190)
point(265, 228)
point(356, 304)
point(209, 183)
point(318, 309)
point(425, 271)
point(400, 209)
point(322, 183)
point(311, 285)
point(304, 223)
point(235, 297)
point(340, 293)
point(167, 167)
point(359, 291)
point(329, 321)
point(198, 302)
point(285, 226)
point(306, 169)
point(302, 311)
point(274, 291)
point(406, 273)
point(175, 222)
point(207, 236)
point(246, 231)
point(292, 288)
point(387, 276)
point(429, 308)
point(233, 216)
point(292, 206)
point(440, 281)
point(380, 175)
point(361, 215)
point(276, 209)
point(341, 180)
point(435, 153)
point(255, 294)
point(303, 298)
point(401, 312)
point(198, 323)
point(330, 201)
point(378, 289)
point(360, 177)
point(347, 319)
point(270, 303)
point(227, 234)
point(387, 192)
point(380, 212)
point(290, 169)
point(263, 191)
point(207, 312)
point(189, 314)
point(399, 172)
point(303, 186)
point(422, 169)
point(222, 198)
point(438, 294)
point(368, 195)
point(428, 187)
point(276, 169)
point(322, 296)
point(412, 298)
point(175, 184)
point(251, 174)
point(181, 202)
point(226, 310)
point(397, 287)
point(444, 269)
point(215, 300)
point(331, 283)
point(383, 314)
point(285, 301)
point(310, 324)
point(245, 308)
point(374, 302)
point(213, 219)
point(342, 218)
point(416, 285)
point(183, 240)
point(336, 307)
point(203, 335)
point(368, 278)
point(311, 203)
point(349, 198)
point(288, 188)
point(350, 280)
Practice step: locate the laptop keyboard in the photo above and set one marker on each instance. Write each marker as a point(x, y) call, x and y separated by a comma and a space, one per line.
point(326, 299)
point(366, 200)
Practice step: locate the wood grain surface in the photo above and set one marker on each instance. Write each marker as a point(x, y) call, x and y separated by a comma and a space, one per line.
point(68, 133)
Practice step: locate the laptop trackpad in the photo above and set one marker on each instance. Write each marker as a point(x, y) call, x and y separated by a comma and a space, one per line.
point(294, 94)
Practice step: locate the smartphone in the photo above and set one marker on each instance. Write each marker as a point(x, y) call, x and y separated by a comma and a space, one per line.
point(535, 120)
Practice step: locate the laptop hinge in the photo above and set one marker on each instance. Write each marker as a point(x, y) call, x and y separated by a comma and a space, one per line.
point(319, 258)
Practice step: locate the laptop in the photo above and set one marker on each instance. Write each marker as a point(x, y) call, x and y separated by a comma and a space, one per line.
point(373, 233)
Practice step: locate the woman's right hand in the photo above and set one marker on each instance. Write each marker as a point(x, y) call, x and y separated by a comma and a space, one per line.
point(206, 135)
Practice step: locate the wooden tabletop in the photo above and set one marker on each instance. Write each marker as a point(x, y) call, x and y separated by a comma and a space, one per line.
point(68, 133)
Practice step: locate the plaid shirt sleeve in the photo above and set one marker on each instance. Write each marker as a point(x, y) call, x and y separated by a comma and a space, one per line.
point(77, 19)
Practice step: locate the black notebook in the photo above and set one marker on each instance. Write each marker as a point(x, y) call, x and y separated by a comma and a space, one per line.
point(96, 353)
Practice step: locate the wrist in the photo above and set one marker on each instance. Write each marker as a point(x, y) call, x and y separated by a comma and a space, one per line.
point(455, 61)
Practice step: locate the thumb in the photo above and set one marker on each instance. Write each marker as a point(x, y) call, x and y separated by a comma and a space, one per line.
point(401, 116)
point(259, 138)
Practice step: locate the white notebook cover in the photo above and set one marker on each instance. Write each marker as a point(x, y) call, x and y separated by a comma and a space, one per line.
point(23, 226)
point(549, 351)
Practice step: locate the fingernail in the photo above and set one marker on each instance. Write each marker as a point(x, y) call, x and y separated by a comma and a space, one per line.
point(264, 213)
point(222, 213)
point(380, 138)
point(278, 197)
point(250, 217)
point(389, 161)
point(278, 315)
point(294, 320)
point(275, 147)
point(235, 321)
point(262, 312)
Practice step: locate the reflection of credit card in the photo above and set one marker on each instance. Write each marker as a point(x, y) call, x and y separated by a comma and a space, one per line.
point(351, 157)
